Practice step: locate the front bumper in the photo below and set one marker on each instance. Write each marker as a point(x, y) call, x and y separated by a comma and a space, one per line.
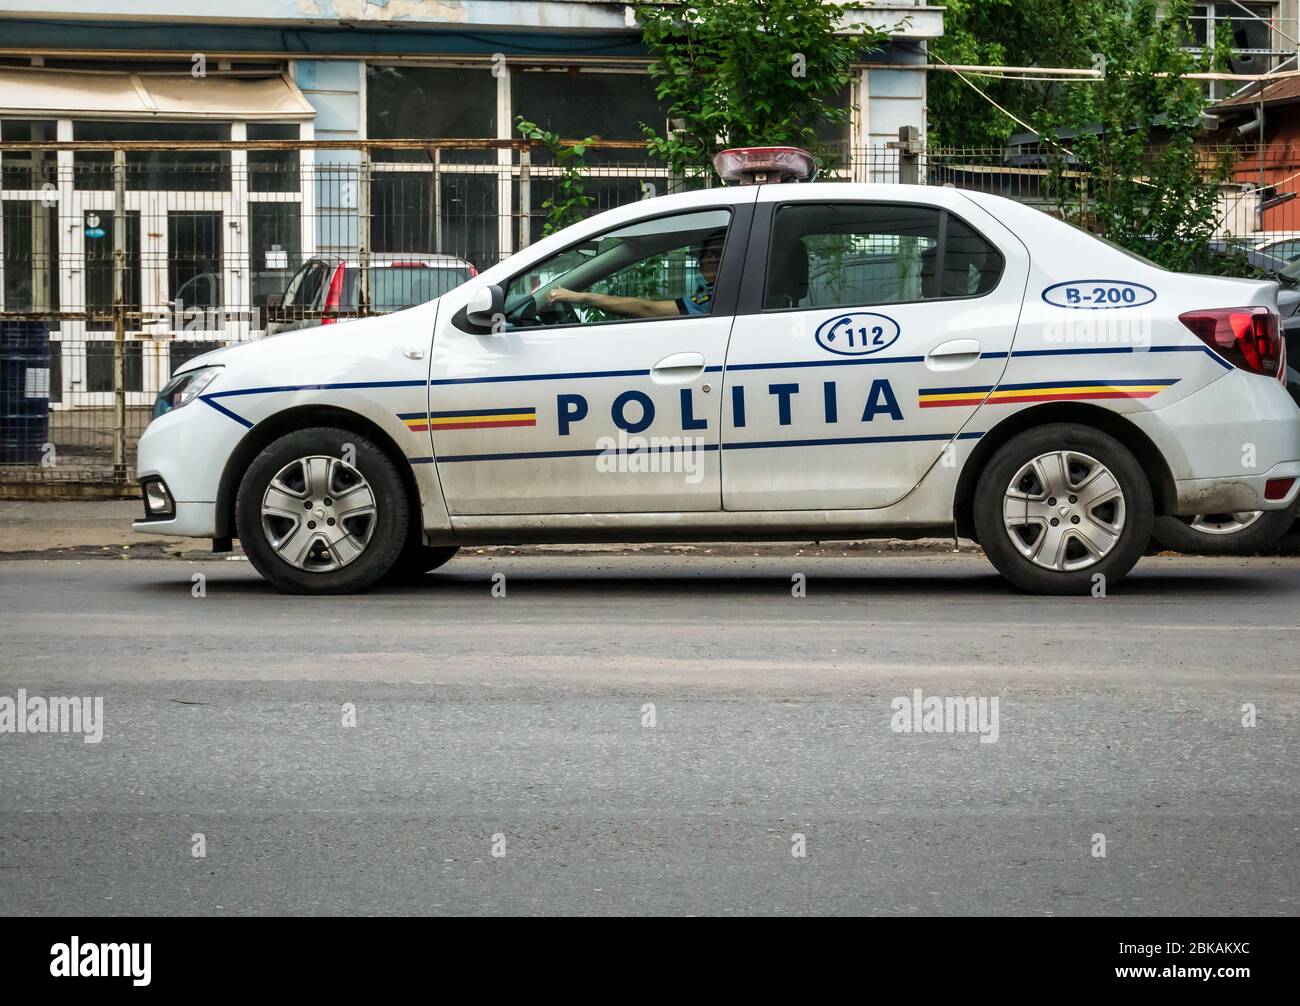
point(192, 520)
point(187, 449)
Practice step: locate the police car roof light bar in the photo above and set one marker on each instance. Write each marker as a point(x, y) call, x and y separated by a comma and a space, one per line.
point(763, 165)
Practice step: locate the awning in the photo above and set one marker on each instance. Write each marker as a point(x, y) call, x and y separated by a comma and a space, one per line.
point(38, 93)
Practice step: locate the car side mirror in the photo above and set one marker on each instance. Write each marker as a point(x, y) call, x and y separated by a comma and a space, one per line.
point(486, 305)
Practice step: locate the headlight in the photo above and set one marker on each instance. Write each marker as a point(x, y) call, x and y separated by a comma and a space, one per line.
point(183, 389)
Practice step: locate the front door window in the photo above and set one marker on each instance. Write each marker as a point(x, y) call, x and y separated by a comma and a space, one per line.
point(661, 268)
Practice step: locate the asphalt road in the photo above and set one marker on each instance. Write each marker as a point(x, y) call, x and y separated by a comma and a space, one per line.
point(524, 717)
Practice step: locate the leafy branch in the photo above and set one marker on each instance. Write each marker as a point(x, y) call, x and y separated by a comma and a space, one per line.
point(570, 201)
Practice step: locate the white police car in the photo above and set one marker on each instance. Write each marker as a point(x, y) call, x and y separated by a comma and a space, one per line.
point(765, 361)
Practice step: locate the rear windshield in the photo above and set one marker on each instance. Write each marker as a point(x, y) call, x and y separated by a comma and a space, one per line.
point(1113, 244)
point(392, 289)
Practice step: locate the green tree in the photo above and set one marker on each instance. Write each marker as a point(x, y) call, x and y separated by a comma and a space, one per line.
point(1150, 185)
point(742, 73)
point(1045, 33)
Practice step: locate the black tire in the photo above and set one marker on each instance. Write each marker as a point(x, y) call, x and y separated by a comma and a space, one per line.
point(385, 538)
point(418, 559)
point(1134, 532)
point(1177, 535)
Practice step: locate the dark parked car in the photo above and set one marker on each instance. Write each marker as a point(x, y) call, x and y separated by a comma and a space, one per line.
point(1262, 261)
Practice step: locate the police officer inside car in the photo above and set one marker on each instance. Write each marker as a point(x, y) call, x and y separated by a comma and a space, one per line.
point(698, 303)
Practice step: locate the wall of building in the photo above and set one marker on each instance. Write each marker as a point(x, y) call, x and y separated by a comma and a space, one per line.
point(336, 89)
point(330, 49)
point(329, 39)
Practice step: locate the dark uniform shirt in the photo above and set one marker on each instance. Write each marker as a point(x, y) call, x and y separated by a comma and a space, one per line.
point(700, 302)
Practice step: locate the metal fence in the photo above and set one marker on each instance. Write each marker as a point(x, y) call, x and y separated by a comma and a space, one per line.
point(121, 261)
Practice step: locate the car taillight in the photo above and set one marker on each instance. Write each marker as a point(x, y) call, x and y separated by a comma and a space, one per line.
point(1276, 489)
point(334, 295)
point(1247, 337)
point(472, 271)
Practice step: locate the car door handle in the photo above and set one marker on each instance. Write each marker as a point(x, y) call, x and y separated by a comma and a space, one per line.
point(679, 368)
point(953, 355)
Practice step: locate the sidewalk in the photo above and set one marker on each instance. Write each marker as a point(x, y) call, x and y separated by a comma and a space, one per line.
point(39, 528)
point(102, 530)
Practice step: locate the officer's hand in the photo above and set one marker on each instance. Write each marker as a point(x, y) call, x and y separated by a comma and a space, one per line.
point(559, 295)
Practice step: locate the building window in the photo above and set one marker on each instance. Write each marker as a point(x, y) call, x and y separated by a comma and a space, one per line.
point(98, 230)
point(469, 203)
point(276, 248)
point(458, 218)
point(25, 170)
point(273, 170)
point(838, 136)
point(431, 102)
point(576, 103)
point(31, 255)
point(156, 170)
point(99, 365)
point(56, 371)
point(1250, 28)
point(194, 246)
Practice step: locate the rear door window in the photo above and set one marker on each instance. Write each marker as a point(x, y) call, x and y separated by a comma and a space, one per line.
point(826, 255)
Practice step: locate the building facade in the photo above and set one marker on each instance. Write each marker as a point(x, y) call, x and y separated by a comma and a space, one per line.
point(223, 232)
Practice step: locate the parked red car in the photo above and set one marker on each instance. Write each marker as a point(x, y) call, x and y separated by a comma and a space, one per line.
point(327, 290)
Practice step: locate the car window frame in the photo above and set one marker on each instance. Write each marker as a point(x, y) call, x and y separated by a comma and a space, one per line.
point(310, 266)
point(759, 258)
point(726, 290)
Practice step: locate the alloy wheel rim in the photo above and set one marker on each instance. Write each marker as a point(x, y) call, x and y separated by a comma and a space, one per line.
point(1064, 511)
point(318, 514)
point(1224, 523)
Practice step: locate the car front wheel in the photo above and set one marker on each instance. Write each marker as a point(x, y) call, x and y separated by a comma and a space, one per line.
point(1061, 509)
point(322, 511)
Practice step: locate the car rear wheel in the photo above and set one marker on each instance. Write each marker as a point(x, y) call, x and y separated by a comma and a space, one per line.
point(1223, 533)
point(1061, 508)
point(322, 511)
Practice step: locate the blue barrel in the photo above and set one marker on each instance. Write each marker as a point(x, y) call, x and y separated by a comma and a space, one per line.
point(24, 391)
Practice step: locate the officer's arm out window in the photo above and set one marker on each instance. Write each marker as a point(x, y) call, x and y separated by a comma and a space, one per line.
point(660, 268)
point(860, 254)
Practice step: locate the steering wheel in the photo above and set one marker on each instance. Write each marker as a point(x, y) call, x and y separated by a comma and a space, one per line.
point(529, 315)
point(558, 313)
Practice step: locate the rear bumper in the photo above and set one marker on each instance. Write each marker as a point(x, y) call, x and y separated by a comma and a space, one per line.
point(1244, 492)
point(1226, 441)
